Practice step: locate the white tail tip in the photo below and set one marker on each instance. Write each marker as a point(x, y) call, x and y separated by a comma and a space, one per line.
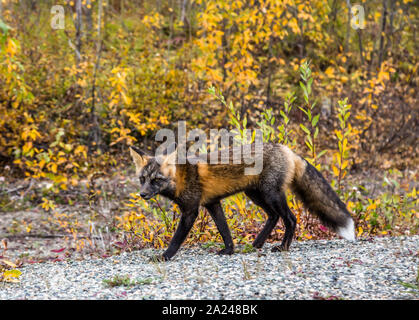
point(347, 232)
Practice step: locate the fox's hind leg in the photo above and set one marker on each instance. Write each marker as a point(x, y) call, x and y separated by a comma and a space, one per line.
point(216, 211)
point(275, 206)
point(273, 215)
point(290, 223)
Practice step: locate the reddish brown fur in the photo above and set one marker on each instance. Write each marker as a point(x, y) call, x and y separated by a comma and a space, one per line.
point(295, 167)
point(180, 179)
point(220, 180)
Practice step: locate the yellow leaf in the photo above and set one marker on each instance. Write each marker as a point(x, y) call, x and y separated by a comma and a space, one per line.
point(372, 206)
point(53, 167)
point(11, 274)
point(345, 164)
point(329, 71)
point(335, 171)
point(413, 193)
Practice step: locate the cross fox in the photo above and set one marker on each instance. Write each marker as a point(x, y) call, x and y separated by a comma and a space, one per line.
point(204, 184)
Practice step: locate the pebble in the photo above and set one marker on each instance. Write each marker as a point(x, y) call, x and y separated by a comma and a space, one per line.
point(318, 269)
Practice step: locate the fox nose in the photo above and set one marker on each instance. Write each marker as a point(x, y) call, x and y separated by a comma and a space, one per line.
point(144, 195)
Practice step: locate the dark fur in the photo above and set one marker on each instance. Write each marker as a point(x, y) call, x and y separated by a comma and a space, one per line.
point(323, 201)
point(201, 184)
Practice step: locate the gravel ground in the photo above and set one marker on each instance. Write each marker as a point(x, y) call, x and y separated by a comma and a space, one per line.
point(335, 269)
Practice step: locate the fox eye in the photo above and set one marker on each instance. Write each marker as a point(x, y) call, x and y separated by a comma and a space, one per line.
point(157, 180)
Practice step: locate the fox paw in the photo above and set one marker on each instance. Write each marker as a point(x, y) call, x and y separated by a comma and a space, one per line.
point(159, 258)
point(225, 251)
point(279, 248)
point(257, 245)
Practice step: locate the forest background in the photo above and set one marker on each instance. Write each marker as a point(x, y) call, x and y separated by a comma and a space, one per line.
point(82, 80)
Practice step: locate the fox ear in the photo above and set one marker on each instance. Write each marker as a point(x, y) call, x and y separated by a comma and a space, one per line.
point(168, 165)
point(171, 158)
point(171, 148)
point(168, 155)
point(139, 157)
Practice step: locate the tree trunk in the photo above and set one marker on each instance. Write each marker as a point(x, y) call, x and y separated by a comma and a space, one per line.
point(270, 69)
point(79, 26)
point(89, 18)
point(361, 51)
point(224, 51)
point(96, 131)
point(391, 26)
point(383, 28)
point(348, 26)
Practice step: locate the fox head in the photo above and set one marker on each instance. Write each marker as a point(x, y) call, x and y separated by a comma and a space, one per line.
point(156, 174)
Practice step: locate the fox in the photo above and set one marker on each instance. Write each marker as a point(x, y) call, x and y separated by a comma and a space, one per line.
point(203, 184)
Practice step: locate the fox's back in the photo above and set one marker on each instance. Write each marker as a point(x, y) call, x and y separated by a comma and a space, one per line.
point(222, 174)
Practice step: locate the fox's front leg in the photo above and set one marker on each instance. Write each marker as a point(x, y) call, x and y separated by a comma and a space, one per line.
point(185, 225)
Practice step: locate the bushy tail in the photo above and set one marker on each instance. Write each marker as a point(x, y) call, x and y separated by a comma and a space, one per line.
point(320, 199)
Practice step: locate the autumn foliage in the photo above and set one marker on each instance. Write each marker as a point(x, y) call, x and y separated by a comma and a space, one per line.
point(73, 99)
